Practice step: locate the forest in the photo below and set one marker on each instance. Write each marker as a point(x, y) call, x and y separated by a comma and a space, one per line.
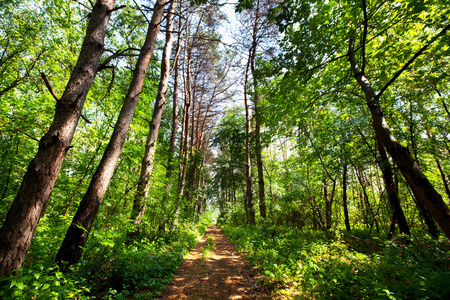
point(314, 133)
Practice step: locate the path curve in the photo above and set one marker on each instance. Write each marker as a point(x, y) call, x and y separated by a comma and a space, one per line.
point(223, 274)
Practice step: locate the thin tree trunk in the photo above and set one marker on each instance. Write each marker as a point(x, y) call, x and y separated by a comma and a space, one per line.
point(258, 149)
point(444, 180)
point(366, 203)
point(173, 134)
point(248, 164)
point(8, 178)
point(80, 181)
point(426, 216)
point(420, 185)
point(327, 204)
point(344, 198)
point(78, 232)
point(392, 190)
point(186, 118)
point(28, 207)
point(147, 164)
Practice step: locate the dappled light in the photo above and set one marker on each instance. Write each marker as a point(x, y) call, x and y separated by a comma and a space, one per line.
point(205, 149)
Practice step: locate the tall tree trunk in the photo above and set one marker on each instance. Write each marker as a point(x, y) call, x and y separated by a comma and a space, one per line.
point(420, 185)
point(147, 164)
point(186, 116)
point(391, 190)
point(344, 198)
point(366, 204)
point(328, 202)
point(258, 149)
point(444, 180)
point(248, 163)
point(173, 134)
point(28, 207)
point(78, 232)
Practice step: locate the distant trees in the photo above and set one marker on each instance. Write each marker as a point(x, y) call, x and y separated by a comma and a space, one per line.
point(349, 161)
point(320, 51)
point(339, 116)
point(206, 79)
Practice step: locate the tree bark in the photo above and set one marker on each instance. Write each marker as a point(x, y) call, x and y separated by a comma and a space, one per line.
point(28, 207)
point(147, 164)
point(424, 190)
point(78, 232)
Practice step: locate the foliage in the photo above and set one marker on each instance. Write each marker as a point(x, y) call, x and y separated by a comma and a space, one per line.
point(308, 264)
point(110, 267)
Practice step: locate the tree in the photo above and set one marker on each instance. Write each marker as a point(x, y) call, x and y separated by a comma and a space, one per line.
point(324, 26)
point(28, 207)
point(77, 234)
point(150, 145)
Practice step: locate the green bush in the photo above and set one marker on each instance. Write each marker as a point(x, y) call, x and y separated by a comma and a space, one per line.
point(307, 264)
point(110, 268)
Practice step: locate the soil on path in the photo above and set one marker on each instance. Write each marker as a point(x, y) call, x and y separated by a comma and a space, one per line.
point(223, 274)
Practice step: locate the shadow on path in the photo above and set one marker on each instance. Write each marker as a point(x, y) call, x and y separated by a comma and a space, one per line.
point(223, 274)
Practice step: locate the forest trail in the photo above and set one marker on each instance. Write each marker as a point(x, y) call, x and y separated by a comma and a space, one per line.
point(222, 274)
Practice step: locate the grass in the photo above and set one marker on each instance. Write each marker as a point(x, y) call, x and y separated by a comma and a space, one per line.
point(300, 264)
point(208, 248)
point(109, 269)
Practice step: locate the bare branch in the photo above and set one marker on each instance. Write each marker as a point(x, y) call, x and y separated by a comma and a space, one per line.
point(49, 87)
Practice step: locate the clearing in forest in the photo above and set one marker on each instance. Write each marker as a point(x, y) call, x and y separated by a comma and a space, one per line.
point(220, 273)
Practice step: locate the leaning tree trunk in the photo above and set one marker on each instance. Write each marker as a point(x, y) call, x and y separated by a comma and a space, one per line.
point(155, 124)
point(28, 207)
point(77, 234)
point(391, 190)
point(423, 189)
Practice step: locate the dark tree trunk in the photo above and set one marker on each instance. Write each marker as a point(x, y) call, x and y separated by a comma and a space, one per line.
point(344, 198)
point(420, 185)
point(444, 180)
point(328, 202)
point(77, 234)
point(28, 207)
point(258, 149)
point(248, 164)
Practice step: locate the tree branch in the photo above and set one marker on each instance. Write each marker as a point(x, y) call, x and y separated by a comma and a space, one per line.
point(418, 53)
point(49, 87)
point(115, 55)
point(117, 8)
point(363, 46)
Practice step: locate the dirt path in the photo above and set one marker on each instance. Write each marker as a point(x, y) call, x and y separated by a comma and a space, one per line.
point(223, 274)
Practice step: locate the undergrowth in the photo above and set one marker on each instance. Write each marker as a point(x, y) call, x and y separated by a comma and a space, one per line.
point(311, 265)
point(208, 248)
point(110, 268)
